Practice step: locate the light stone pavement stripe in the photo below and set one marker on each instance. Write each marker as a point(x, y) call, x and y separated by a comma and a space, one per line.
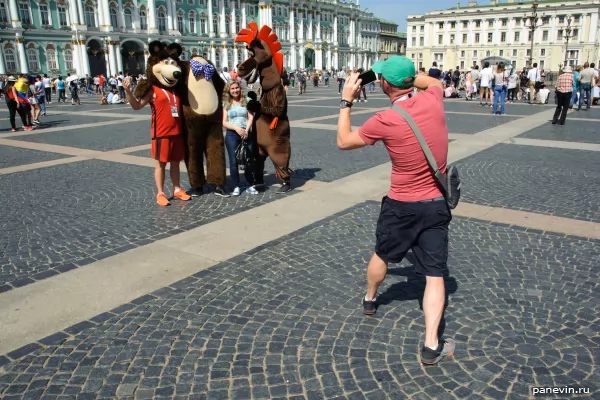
point(44, 307)
point(530, 220)
point(41, 164)
point(63, 128)
point(556, 144)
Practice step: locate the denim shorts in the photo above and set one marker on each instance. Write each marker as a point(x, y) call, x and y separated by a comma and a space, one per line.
point(418, 226)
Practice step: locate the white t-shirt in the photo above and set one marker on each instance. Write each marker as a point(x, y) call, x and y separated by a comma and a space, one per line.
point(120, 80)
point(46, 82)
point(226, 76)
point(485, 77)
point(533, 75)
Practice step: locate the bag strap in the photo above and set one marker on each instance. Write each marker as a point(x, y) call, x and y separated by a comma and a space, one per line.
point(422, 142)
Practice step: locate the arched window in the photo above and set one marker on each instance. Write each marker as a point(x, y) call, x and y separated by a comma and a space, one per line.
point(203, 28)
point(180, 23)
point(68, 59)
point(33, 60)
point(162, 20)
point(228, 25)
point(143, 20)
point(217, 59)
point(230, 59)
point(128, 18)
point(113, 17)
point(240, 56)
point(25, 13)
point(192, 21)
point(90, 18)
point(237, 23)
point(215, 22)
point(10, 59)
point(51, 59)
point(62, 15)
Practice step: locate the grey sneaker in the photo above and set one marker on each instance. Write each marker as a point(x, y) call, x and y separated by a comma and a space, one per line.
point(445, 349)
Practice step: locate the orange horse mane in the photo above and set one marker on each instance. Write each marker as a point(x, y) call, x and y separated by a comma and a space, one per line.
point(269, 37)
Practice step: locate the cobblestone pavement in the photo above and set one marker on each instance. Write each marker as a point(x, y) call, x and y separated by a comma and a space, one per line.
point(284, 321)
point(574, 130)
point(93, 210)
point(11, 156)
point(559, 182)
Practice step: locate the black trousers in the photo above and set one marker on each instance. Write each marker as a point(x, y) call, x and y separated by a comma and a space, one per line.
point(13, 110)
point(562, 106)
point(511, 94)
point(48, 94)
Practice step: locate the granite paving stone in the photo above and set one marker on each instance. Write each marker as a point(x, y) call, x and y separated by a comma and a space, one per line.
point(552, 181)
point(13, 156)
point(572, 131)
point(93, 209)
point(305, 288)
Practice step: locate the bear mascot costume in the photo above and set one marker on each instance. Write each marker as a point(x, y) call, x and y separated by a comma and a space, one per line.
point(271, 123)
point(201, 91)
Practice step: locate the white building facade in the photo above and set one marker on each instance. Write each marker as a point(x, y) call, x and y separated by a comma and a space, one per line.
point(463, 36)
point(109, 36)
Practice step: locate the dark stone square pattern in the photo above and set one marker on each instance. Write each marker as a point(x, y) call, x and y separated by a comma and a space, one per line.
point(285, 320)
point(91, 210)
point(14, 156)
point(572, 131)
point(457, 123)
point(516, 109)
point(594, 112)
point(111, 137)
point(315, 155)
point(550, 181)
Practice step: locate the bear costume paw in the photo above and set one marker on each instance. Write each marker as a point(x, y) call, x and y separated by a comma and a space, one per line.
point(253, 106)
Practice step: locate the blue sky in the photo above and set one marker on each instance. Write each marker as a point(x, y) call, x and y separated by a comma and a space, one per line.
point(397, 10)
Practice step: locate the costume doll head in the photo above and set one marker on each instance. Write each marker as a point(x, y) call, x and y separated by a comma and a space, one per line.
point(163, 68)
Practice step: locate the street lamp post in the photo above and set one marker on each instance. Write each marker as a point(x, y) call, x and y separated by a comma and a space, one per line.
point(533, 25)
point(568, 31)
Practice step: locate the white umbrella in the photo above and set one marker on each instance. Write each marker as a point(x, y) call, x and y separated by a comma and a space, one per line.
point(71, 78)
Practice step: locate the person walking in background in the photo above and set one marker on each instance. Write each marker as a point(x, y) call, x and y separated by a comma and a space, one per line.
point(533, 77)
point(15, 105)
point(586, 78)
point(341, 78)
point(513, 83)
point(575, 92)
point(501, 84)
point(40, 94)
point(60, 88)
point(47, 89)
point(414, 215)
point(564, 86)
point(301, 80)
point(485, 82)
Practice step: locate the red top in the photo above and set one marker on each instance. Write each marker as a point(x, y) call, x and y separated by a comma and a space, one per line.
point(101, 81)
point(163, 122)
point(412, 179)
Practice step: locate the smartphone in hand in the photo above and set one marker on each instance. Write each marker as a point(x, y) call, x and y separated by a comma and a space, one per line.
point(367, 77)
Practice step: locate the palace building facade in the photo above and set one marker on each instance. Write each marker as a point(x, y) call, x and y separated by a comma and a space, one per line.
point(565, 30)
point(109, 36)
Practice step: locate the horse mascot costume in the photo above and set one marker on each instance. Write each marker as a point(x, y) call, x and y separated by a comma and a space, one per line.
point(272, 125)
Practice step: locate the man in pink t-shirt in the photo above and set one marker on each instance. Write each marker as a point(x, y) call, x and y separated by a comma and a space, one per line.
point(414, 215)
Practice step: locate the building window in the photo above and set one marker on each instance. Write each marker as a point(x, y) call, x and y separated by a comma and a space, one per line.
point(143, 20)
point(490, 37)
point(451, 39)
point(421, 41)
point(51, 59)
point(237, 23)
point(414, 29)
point(477, 24)
point(465, 24)
point(462, 53)
point(215, 22)
point(542, 52)
point(162, 21)
point(464, 40)
point(44, 14)
point(24, 13)
point(541, 64)
point(183, 56)
point(575, 33)
point(517, 36)
point(477, 38)
point(414, 41)
point(474, 53)
point(192, 22)
point(128, 18)
point(559, 36)
point(501, 53)
point(503, 37)
point(438, 56)
point(488, 53)
point(504, 22)
point(529, 36)
point(422, 28)
point(62, 16)
point(203, 25)
point(180, 23)
point(412, 55)
point(528, 53)
point(453, 25)
point(10, 59)
point(441, 25)
point(462, 65)
point(68, 59)
point(113, 17)
point(228, 26)
point(545, 36)
point(218, 59)
point(514, 52)
point(33, 61)
point(3, 12)
point(440, 39)
point(90, 19)
point(561, 19)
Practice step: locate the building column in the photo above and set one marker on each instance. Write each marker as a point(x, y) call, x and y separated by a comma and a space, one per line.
point(2, 66)
point(23, 67)
point(593, 28)
point(213, 54)
point(292, 56)
point(328, 64)
point(170, 13)
point(118, 56)
point(236, 60)
point(244, 24)
point(318, 59)
point(76, 56)
point(106, 26)
point(211, 30)
point(270, 14)
point(232, 22)
point(146, 56)
point(318, 14)
point(292, 24)
point(112, 57)
point(73, 13)
point(14, 14)
point(80, 11)
point(107, 56)
point(224, 58)
point(310, 26)
point(173, 17)
point(151, 17)
point(336, 60)
point(335, 30)
point(302, 57)
point(222, 20)
point(301, 29)
point(85, 61)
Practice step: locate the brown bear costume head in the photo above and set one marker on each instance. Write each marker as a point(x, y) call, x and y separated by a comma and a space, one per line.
point(162, 70)
point(201, 91)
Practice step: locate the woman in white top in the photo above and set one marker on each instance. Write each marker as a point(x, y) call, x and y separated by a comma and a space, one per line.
point(500, 88)
point(513, 83)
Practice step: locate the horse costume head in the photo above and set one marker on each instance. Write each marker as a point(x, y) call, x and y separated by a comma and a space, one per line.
point(266, 59)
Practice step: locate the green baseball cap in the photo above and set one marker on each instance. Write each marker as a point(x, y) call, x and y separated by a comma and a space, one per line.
point(397, 70)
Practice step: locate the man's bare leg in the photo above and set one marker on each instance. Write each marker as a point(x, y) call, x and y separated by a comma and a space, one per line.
point(376, 272)
point(433, 308)
point(159, 176)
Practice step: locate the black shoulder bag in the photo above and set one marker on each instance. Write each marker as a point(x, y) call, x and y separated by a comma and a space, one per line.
point(448, 182)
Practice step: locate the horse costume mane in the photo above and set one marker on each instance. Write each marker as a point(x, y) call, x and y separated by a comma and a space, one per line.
point(266, 35)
